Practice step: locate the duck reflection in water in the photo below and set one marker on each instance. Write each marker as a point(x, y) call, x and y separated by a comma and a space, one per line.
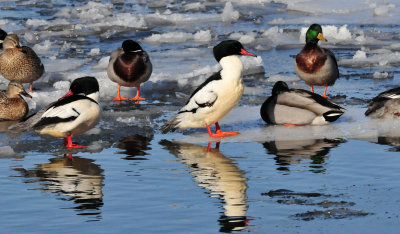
point(219, 175)
point(289, 152)
point(134, 146)
point(389, 140)
point(74, 178)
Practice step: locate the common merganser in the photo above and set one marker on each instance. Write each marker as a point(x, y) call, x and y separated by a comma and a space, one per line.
point(316, 65)
point(75, 113)
point(213, 99)
point(129, 66)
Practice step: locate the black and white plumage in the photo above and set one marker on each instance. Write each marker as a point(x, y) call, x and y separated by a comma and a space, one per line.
point(129, 66)
point(298, 107)
point(213, 99)
point(385, 105)
point(75, 113)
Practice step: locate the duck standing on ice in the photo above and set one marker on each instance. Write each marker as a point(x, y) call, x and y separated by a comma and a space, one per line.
point(213, 99)
point(316, 65)
point(19, 63)
point(73, 114)
point(129, 66)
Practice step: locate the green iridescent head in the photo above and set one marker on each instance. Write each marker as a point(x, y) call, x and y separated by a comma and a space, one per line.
point(314, 34)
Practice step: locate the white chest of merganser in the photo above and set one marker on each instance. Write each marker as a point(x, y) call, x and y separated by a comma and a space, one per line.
point(213, 99)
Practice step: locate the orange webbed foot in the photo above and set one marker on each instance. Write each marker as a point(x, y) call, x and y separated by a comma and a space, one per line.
point(221, 134)
point(119, 98)
point(290, 125)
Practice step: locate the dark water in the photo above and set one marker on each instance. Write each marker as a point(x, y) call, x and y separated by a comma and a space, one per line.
point(132, 178)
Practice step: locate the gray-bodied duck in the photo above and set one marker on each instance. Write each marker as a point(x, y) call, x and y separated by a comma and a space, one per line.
point(12, 105)
point(385, 105)
point(294, 107)
point(316, 65)
point(129, 66)
point(19, 63)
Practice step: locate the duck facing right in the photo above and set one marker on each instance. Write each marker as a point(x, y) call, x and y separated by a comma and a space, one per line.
point(297, 107)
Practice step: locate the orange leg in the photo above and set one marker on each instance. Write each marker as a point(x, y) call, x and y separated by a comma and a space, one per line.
point(218, 132)
point(30, 88)
point(119, 97)
point(137, 98)
point(71, 145)
point(324, 94)
point(312, 88)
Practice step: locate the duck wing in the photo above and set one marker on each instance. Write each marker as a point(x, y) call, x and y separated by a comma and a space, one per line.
point(204, 96)
point(4, 100)
point(379, 101)
point(307, 100)
point(65, 110)
point(330, 54)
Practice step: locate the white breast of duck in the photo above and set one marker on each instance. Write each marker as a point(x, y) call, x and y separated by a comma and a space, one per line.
point(72, 115)
point(221, 95)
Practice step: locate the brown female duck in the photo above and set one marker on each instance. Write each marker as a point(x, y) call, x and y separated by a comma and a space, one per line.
point(19, 63)
point(12, 105)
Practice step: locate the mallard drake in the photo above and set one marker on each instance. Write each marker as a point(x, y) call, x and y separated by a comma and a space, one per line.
point(19, 63)
point(75, 113)
point(129, 66)
point(292, 107)
point(385, 105)
point(12, 105)
point(213, 99)
point(316, 65)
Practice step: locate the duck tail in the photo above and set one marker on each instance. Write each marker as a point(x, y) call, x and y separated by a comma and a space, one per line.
point(171, 125)
point(332, 115)
point(27, 123)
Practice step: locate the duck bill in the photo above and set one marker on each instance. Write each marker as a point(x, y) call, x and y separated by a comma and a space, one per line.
point(26, 94)
point(321, 37)
point(66, 95)
point(244, 52)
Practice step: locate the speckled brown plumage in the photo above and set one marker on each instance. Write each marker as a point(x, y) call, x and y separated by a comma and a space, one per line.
point(12, 105)
point(19, 63)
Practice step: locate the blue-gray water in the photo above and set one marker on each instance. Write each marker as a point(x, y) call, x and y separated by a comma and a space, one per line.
point(132, 178)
